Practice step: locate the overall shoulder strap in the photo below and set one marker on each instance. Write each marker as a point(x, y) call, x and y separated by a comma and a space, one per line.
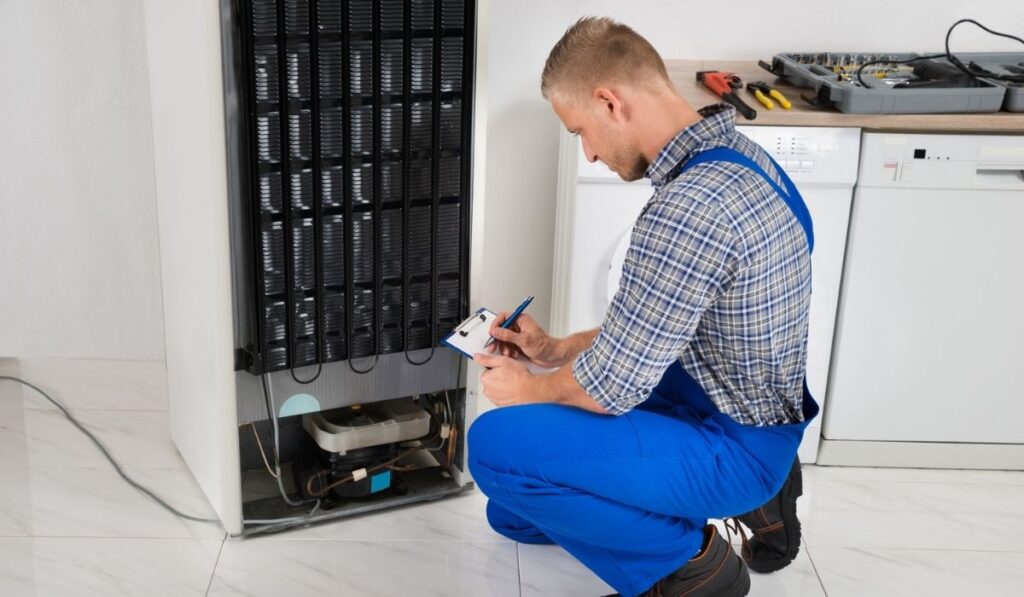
point(790, 195)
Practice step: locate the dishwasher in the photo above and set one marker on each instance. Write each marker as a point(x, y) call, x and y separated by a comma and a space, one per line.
point(927, 354)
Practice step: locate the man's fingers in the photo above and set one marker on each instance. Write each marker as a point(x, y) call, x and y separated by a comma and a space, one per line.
point(525, 321)
point(504, 334)
point(488, 360)
point(500, 319)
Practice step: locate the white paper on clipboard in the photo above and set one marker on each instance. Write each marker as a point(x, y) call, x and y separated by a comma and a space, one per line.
point(470, 336)
point(477, 332)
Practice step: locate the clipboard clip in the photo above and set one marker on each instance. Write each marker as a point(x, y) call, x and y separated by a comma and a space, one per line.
point(470, 324)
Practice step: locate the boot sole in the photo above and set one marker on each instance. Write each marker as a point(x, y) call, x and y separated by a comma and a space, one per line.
point(792, 532)
point(740, 586)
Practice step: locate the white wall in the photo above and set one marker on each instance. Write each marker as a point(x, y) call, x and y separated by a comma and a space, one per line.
point(79, 268)
point(522, 140)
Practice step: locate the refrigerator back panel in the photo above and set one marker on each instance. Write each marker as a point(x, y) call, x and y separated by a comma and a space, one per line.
point(356, 119)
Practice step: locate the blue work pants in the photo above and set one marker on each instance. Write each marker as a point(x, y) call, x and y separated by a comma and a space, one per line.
point(628, 496)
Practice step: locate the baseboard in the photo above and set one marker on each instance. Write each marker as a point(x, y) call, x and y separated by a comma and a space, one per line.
point(921, 455)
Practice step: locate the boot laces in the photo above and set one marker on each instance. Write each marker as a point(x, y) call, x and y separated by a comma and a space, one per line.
point(737, 527)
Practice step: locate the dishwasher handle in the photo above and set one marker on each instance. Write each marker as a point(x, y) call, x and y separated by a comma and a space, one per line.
point(1007, 175)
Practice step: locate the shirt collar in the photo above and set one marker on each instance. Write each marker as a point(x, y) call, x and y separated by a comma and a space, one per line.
point(719, 121)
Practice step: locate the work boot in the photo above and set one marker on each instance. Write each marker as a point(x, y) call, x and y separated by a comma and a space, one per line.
point(775, 528)
point(714, 572)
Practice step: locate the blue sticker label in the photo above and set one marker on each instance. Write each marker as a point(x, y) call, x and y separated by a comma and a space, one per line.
point(380, 481)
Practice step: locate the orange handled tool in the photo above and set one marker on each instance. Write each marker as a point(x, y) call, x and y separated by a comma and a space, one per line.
point(724, 85)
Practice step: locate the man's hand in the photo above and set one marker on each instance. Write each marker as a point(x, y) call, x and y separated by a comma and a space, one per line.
point(506, 381)
point(524, 337)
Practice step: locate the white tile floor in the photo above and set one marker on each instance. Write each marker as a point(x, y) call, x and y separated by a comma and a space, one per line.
point(69, 526)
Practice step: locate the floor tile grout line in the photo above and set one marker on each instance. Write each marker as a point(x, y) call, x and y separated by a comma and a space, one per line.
point(213, 573)
point(75, 409)
point(34, 359)
point(106, 538)
point(918, 549)
point(967, 483)
point(309, 540)
point(383, 541)
point(810, 558)
point(519, 569)
point(434, 541)
point(474, 541)
point(105, 466)
point(932, 476)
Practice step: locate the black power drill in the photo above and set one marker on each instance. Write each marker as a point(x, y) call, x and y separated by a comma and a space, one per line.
point(933, 73)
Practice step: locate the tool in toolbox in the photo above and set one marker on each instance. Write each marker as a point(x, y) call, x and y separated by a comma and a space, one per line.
point(932, 73)
point(724, 85)
point(762, 91)
point(906, 82)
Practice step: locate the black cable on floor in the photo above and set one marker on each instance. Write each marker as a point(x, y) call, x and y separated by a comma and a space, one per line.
point(110, 458)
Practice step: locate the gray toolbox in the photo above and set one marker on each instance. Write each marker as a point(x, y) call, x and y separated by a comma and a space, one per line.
point(922, 87)
point(1001, 63)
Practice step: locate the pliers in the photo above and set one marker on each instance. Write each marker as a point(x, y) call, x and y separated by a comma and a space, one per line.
point(762, 90)
point(724, 85)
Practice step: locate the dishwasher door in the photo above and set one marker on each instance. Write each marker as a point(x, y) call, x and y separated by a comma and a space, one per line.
point(930, 333)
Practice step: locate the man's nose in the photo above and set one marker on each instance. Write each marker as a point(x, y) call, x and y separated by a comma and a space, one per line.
point(591, 156)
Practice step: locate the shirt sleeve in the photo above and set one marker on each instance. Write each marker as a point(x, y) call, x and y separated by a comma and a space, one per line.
point(682, 257)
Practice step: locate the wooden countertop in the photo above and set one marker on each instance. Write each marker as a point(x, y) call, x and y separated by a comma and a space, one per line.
point(683, 74)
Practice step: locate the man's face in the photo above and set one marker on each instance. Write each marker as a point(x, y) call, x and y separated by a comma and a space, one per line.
point(601, 125)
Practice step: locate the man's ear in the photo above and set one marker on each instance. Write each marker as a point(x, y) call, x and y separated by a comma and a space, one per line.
point(608, 103)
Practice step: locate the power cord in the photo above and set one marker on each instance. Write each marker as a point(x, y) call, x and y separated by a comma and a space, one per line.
point(268, 397)
point(276, 472)
point(268, 401)
point(975, 72)
point(978, 71)
point(110, 458)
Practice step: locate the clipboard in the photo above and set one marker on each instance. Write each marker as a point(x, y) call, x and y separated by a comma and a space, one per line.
point(477, 332)
point(470, 336)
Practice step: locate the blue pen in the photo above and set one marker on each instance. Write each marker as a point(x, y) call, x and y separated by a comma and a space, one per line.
point(512, 318)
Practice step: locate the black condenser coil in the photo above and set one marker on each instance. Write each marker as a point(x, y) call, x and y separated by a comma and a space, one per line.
point(356, 118)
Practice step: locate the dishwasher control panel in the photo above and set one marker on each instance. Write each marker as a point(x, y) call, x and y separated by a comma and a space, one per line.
point(810, 154)
point(943, 161)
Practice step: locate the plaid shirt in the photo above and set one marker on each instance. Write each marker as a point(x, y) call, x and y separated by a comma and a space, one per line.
point(718, 276)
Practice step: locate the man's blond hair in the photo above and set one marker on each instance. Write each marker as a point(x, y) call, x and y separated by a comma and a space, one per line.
point(598, 51)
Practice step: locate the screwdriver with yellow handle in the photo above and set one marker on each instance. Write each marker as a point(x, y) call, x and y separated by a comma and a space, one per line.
point(762, 91)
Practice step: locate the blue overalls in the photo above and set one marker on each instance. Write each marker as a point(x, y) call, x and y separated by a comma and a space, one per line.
point(629, 496)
